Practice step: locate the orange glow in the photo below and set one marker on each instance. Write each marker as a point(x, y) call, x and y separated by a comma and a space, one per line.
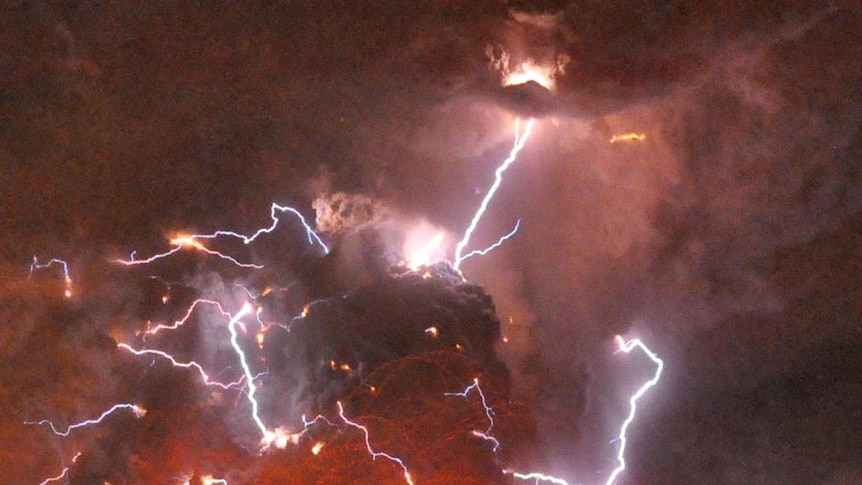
point(425, 254)
point(628, 137)
point(186, 241)
point(530, 71)
point(317, 447)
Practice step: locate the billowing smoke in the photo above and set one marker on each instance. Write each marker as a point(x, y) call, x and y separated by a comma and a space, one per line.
point(726, 232)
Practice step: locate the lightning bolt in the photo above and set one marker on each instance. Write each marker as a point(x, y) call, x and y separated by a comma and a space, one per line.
point(489, 412)
point(185, 365)
point(520, 140)
point(374, 454)
point(193, 241)
point(139, 413)
point(178, 323)
point(538, 477)
point(255, 416)
point(628, 347)
point(482, 252)
point(66, 278)
point(63, 473)
point(625, 346)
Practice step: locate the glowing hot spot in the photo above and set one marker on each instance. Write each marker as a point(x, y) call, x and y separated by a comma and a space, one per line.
point(317, 447)
point(530, 71)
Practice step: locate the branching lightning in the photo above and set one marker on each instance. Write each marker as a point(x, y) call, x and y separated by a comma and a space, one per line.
point(520, 140)
point(186, 365)
point(628, 347)
point(625, 346)
point(139, 413)
point(489, 412)
point(279, 437)
point(246, 309)
point(193, 241)
point(182, 321)
point(374, 454)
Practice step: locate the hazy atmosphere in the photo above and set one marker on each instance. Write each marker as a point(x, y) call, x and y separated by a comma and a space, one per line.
point(692, 179)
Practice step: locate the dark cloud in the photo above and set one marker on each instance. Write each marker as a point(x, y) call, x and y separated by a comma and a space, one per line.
point(727, 237)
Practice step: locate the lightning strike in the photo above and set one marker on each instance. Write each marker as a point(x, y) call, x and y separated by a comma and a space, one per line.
point(186, 365)
point(538, 477)
point(628, 137)
point(182, 321)
point(67, 279)
point(628, 347)
point(374, 454)
point(268, 436)
point(63, 473)
point(483, 252)
point(193, 242)
point(520, 140)
point(489, 412)
point(139, 413)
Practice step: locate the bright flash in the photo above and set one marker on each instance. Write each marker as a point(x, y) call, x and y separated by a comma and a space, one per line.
point(432, 331)
point(530, 71)
point(187, 241)
point(317, 447)
point(421, 251)
point(628, 137)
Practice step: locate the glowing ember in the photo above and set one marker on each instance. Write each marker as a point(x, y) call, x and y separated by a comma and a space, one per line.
point(317, 447)
point(628, 137)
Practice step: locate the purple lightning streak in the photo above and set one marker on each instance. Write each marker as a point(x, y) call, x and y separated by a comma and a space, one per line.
point(489, 412)
point(63, 473)
point(520, 140)
point(624, 347)
point(482, 252)
point(186, 365)
point(193, 240)
point(628, 347)
point(268, 436)
point(66, 277)
point(139, 413)
point(374, 454)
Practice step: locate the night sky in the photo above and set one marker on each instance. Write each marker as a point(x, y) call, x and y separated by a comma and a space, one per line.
point(728, 238)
